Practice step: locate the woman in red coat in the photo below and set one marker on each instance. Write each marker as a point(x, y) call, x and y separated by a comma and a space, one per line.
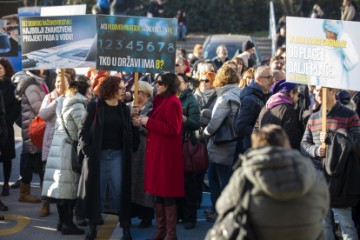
point(164, 166)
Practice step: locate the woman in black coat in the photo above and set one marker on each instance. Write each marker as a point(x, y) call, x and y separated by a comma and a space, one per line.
point(12, 110)
point(106, 128)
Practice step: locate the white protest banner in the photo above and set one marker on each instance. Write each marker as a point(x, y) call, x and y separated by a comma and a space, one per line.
point(323, 52)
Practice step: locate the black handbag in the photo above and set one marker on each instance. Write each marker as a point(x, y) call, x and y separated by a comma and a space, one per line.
point(76, 156)
point(226, 132)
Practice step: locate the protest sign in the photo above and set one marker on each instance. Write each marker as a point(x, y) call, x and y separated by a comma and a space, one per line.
point(8, 29)
point(59, 42)
point(136, 44)
point(323, 52)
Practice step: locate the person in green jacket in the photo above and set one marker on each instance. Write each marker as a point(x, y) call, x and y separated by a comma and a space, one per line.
point(193, 181)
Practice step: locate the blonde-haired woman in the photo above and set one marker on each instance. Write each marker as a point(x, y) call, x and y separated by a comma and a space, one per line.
point(246, 78)
point(60, 181)
point(142, 202)
point(221, 156)
point(48, 113)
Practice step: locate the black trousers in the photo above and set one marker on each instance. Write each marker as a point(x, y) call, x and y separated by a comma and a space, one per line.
point(187, 206)
point(28, 164)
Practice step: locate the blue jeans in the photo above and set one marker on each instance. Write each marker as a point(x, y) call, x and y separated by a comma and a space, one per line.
point(182, 31)
point(219, 176)
point(111, 166)
point(344, 217)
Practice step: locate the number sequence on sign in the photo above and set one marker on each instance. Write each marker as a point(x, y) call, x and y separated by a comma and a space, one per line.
point(118, 44)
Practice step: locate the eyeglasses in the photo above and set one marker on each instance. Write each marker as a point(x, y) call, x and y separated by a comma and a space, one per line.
point(160, 83)
point(123, 89)
point(205, 81)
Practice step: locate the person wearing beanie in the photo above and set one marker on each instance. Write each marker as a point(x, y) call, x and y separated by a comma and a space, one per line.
point(249, 47)
point(279, 110)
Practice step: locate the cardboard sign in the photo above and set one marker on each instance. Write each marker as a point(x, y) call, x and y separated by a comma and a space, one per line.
point(136, 44)
point(323, 52)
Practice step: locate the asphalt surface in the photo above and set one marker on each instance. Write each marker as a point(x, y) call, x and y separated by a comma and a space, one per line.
point(22, 221)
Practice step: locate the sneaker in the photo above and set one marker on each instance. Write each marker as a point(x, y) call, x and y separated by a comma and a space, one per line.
point(211, 217)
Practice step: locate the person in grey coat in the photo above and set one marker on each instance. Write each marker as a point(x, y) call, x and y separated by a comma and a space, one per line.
point(221, 156)
point(32, 90)
point(48, 113)
point(60, 181)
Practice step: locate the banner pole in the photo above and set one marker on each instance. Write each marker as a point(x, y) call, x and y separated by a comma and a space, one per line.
point(62, 77)
point(136, 89)
point(324, 112)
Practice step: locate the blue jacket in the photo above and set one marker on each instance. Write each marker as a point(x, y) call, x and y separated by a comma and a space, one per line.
point(252, 100)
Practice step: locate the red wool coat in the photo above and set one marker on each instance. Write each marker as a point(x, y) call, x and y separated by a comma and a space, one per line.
point(164, 165)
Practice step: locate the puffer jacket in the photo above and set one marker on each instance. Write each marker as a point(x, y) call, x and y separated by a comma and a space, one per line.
point(48, 114)
point(224, 153)
point(289, 198)
point(60, 181)
point(32, 91)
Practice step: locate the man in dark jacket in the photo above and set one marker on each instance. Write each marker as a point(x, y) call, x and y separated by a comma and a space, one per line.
point(280, 110)
point(338, 118)
point(252, 99)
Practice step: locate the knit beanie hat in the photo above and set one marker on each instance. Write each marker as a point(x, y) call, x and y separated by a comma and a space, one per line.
point(244, 57)
point(283, 86)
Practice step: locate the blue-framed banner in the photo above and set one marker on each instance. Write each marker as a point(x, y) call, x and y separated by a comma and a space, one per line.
point(9, 46)
point(323, 52)
point(136, 44)
point(58, 42)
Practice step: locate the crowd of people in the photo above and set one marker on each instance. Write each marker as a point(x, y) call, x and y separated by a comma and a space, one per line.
point(303, 180)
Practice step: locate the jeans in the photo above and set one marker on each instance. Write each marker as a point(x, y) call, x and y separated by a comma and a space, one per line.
point(111, 172)
point(344, 217)
point(219, 175)
point(182, 31)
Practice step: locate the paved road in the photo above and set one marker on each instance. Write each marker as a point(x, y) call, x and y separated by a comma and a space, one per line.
point(22, 221)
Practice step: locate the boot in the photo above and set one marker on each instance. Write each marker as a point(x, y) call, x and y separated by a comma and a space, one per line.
point(3, 207)
point(91, 234)
point(126, 230)
point(160, 222)
point(5, 190)
point(61, 217)
point(171, 220)
point(69, 227)
point(45, 208)
point(25, 195)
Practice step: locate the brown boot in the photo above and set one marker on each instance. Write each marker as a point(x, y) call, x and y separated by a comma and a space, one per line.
point(171, 220)
point(160, 222)
point(25, 195)
point(45, 208)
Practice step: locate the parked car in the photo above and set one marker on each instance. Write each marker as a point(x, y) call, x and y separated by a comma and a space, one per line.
point(233, 43)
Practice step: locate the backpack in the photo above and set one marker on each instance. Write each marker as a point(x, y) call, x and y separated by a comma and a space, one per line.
point(235, 224)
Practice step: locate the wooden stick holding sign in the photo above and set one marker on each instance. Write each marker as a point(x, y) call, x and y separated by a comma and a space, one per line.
point(324, 112)
point(136, 91)
point(62, 77)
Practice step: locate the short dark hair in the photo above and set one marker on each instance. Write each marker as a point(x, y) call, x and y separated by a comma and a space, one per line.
point(171, 81)
point(109, 87)
point(9, 70)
